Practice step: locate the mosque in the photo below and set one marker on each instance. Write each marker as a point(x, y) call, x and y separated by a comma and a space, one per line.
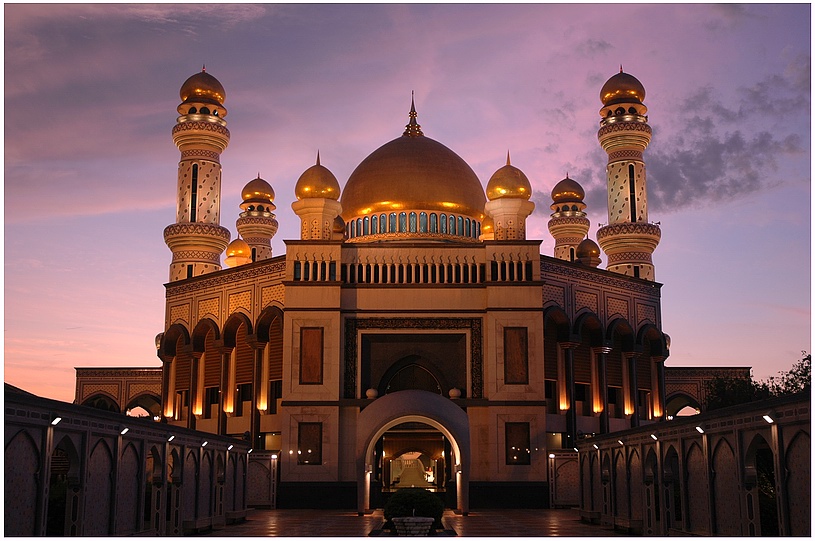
point(412, 335)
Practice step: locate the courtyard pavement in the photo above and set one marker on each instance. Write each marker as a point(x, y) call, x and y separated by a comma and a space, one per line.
point(479, 523)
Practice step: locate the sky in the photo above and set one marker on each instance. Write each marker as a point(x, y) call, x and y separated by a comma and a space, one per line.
point(90, 167)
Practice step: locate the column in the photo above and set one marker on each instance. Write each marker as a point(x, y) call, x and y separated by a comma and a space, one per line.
point(602, 385)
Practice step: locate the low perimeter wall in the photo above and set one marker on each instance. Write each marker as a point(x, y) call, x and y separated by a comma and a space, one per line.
point(740, 471)
point(75, 470)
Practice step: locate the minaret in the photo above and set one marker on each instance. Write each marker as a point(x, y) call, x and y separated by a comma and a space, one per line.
point(317, 205)
point(508, 191)
point(196, 238)
point(568, 224)
point(257, 224)
point(628, 240)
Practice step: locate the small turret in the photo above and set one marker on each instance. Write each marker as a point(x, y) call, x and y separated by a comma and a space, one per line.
point(508, 191)
point(257, 223)
point(568, 224)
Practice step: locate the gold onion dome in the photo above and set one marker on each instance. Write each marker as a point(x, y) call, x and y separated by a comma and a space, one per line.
point(413, 172)
point(203, 87)
point(509, 181)
point(622, 88)
point(257, 191)
point(487, 225)
point(317, 182)
point(339, 225)
point(587, 248)
point(568, 191)
point(238, 252)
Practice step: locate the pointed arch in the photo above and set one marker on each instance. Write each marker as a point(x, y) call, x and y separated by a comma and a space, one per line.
point(96, 518)
point(127, 490)
point(798, 461)
point(233, 325)
point(200, 333)
point(725, 490)
point(651, 339)
point(177, 334)
point(696, 475)
point(22, 458)
point(102, 400)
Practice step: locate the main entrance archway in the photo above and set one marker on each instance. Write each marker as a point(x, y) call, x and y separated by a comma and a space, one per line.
point(406, 408)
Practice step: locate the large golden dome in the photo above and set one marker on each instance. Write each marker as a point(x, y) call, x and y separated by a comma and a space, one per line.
point(622, 88)
point(508, 181)
point(413, 172)
point(203, 87)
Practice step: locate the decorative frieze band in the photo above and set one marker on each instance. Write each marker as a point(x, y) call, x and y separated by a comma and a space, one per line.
point(624, 126)
point(618, 155)
point(197, 255)
point(203, 126)
point(625, 257)
point(200, 154)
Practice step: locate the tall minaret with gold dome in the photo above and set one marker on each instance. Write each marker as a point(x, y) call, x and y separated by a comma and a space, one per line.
point(629, 239)
point(568, 224)
point(197, 239)
point(257, 223)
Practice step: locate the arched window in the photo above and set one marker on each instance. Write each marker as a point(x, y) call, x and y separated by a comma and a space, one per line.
point(467, 231)
point(632, 193)
point(434, 223)
point(204, 110)
point(452, 225)
point(574, 208)
point(402, 222)
point(374, 224)
point(443, 224)
point(359, 227)
point(194, 193)
point(383, 224)
point(460, 229)
point(423, 222)
point(352, 229)
point(412, 222)
point(392, 223)
point(365, 226)
point(192, 111)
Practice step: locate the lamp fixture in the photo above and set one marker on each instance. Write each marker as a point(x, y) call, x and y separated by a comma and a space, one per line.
point(56, 421)
point(204, 444)
point(249, 451)
point(551, 455)
point(230, 447)
point(274, 456)
point(768, 417)
point(654, 437)
point(124, 431)
point(620, 442)
point(700, 430)
point(576, 450)
point(171, 438)
point(595, 446)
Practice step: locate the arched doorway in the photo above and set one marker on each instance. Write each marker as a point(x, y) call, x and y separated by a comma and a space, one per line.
point(424, 431)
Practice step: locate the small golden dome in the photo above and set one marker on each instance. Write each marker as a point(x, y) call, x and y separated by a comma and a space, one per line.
point(339, 225)
point(317, 182)
point(587, 248)
point(622, 88)
point(203, 87)
point(257, 191)
point(568, 191)
point(509, 181)
point(487, 225)
point(238, 253)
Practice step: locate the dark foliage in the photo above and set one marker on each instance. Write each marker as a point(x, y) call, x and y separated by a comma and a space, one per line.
point(408, 502)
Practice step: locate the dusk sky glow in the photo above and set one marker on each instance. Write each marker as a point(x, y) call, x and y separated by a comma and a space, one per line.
point(90, 167)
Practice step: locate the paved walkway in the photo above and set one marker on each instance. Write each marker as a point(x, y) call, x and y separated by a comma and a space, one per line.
point(479, 523)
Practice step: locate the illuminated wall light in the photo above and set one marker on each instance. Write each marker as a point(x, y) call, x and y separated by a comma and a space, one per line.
point(230, 447)
point(56, 421)
point(249, 451)
point(620, 442)
point(595, 446)
point(124, 431)
point(629, 410)
point(576, 450)
point(551, 455)
point(768, 418)
point(204, 444)
point(274, 457)
point(291, 452)
point(654, 437)
point(670, 417)
point(700, 430)
point(171, 438)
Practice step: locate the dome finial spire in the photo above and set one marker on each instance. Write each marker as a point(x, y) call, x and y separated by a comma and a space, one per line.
point(318, 156)
point(412, 129)
point(508, 162)
point(203, 68)
point(621, 68)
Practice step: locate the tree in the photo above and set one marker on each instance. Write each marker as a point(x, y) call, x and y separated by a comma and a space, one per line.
point(722, 392)
point(797, 379)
